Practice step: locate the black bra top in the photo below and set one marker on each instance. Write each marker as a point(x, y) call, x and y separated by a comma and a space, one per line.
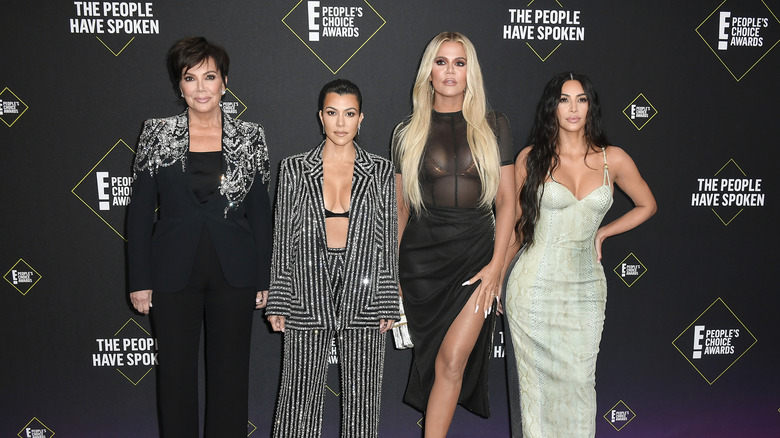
point(329, 213)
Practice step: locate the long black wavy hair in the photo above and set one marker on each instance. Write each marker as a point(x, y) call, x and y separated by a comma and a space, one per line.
point(543, 156)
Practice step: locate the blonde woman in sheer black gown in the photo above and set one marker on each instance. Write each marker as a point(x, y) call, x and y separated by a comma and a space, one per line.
point(454, 164)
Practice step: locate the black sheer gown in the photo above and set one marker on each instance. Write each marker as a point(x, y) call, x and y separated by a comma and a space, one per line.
point(442, 247)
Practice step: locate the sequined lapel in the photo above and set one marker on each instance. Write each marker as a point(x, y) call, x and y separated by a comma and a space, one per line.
point(361, 183)
point(313, 180)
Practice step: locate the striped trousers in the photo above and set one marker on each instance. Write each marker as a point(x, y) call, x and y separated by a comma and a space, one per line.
point(361, 354)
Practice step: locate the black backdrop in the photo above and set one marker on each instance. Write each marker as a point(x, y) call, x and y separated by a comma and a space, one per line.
point(699, 121)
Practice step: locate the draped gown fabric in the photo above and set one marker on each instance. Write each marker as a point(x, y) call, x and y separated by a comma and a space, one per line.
point(442, 247)
point(555, 301)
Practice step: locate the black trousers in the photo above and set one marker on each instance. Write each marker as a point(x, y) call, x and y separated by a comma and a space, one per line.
point(177, 319)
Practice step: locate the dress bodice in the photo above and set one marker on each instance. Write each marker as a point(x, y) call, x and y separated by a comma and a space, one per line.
point(448, 175)
point(566, 221)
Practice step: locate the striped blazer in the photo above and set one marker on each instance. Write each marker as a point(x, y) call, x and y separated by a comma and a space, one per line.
point(300, 283)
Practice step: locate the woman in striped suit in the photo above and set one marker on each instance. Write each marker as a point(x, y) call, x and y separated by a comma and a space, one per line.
point(334, 272)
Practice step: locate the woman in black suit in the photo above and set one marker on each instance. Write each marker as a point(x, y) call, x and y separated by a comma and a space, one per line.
point(208, 252)
point(335, 272)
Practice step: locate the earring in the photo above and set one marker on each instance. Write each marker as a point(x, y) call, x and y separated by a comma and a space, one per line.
point(182, 93)
point(323, 130)
point(223, 92)
point(358, 129)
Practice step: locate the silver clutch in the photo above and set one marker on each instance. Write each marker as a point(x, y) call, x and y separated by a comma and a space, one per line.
point(401, 334)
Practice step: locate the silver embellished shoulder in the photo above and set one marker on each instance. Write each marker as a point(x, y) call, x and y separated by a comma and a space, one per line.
point(164, 142)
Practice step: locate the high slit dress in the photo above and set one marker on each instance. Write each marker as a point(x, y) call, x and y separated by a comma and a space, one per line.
point(442, 246)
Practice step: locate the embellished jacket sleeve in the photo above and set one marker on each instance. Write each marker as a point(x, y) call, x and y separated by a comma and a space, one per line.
point(286, 220)
point(387, 243)
point(258, 206)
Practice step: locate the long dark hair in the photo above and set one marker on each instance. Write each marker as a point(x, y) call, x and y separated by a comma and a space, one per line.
point(543, 155)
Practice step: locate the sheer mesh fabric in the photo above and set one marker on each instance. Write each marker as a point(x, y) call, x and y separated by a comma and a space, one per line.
point(448, 175)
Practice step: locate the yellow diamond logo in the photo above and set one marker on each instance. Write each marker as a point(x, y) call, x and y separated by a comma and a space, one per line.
point(22, 277)
point(35, 428)
point(714, 341)
point(640, 111)
point(619, 415)
point(630, 270)
point(11, 107)
point(740, 34)
point(106, 188)
point(232, 105)
point(334, 30)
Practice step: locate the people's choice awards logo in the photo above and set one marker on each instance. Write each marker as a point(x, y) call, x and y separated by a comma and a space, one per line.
point(114, 24)
point(35, 429)
point(640, 111)
point(334, 30)
point(630, 270)
point(714, 341)
point(620, 415)
point(22, 277)
point(11, 107)
point(107, 187)
point(132, 351)
point(728, 192)
point(544, 25)
point(232, 105)
point(740, 33)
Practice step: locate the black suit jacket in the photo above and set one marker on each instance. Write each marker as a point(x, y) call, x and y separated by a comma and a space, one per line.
point(237, 216)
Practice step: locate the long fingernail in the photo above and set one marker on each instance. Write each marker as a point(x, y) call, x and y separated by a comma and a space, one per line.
point(490, 309)
point(475, 310)
point(465, 283)
point(486, 313)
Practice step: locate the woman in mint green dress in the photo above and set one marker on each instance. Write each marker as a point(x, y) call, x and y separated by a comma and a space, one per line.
point(556, 292)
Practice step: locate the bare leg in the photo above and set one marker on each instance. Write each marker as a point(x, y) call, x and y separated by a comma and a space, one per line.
point(450, 364)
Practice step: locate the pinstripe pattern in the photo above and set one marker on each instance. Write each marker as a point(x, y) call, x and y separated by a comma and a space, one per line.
point(299, 406)
point(303, 274)
point(302, 390)
point(362, 354)
point(300, 283)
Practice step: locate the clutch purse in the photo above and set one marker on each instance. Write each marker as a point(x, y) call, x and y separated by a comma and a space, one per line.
point(401, 334)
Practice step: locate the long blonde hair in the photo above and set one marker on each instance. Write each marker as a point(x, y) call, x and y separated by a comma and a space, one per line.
point(410, 139)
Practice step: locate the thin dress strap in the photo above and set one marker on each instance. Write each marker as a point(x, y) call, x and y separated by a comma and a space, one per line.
point(606, 180)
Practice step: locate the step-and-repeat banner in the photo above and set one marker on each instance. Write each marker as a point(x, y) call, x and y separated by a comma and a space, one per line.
point(689, 89)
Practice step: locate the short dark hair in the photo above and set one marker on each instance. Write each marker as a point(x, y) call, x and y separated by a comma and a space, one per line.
point(341, 87)
point(191, 52)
